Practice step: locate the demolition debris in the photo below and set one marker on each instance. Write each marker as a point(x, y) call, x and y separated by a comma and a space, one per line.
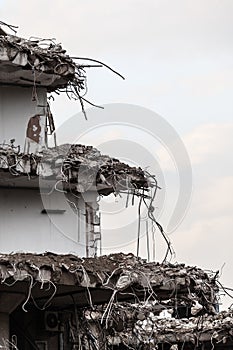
point(121, 300)
point(138, 326)
point(43, 63)
point(117, 272)
point(77, 166)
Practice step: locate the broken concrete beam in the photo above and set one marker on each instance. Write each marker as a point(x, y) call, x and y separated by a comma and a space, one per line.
point(117, 273)
point(80, 168)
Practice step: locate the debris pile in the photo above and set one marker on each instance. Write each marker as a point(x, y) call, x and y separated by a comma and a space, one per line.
point(78, 167)
point(195, 329)
point(125, 328)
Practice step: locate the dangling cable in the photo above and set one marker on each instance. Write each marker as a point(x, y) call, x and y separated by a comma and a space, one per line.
point(139, 224)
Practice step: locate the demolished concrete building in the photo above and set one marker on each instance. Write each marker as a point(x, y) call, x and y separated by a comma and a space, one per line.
point(34, 177)
point(111, 302)
point(54, 300)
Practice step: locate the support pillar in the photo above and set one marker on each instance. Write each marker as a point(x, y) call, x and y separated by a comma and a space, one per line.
point(4, 330)
point(8, 303)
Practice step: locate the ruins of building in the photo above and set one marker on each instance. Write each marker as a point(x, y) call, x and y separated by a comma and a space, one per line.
point(49, 196)
point(111, 302)
point(51, 301)
point(34, 177)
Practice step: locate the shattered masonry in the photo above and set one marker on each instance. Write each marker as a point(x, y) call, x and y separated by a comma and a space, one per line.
point(125, 270)
point(43, 57)
point(218, 328)
point(139, 326)
point(82, 167)
point(44, 63)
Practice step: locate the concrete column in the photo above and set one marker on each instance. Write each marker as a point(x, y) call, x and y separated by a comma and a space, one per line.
point(8, 303)
point(4, 331)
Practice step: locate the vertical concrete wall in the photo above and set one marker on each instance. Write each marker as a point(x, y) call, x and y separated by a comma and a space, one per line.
point(23, 226)
point(16, 108)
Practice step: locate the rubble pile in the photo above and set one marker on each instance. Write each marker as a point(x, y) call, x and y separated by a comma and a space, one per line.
point(171, 330)
point(82, 166)
point(129, 325)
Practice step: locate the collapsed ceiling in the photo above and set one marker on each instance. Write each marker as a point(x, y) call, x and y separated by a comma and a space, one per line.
point(37, 61)
point(117, 273)
point(44, 63)
point(78, 167)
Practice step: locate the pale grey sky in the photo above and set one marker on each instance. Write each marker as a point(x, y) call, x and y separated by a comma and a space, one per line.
point(177, 57)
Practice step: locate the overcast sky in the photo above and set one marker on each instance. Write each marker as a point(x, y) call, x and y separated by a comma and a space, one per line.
point(177, 58)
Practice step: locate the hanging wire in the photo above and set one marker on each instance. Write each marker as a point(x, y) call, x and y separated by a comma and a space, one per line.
point(147, 241)
point(150, 209)
point(139, 224)
point(10, 26)
point(103, 64)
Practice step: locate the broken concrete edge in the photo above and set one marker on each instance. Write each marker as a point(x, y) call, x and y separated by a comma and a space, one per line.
point(117, 272)
point(81, 166)
point(42, 56)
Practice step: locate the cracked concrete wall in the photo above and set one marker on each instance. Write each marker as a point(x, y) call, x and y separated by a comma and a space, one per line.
point(16, 108)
